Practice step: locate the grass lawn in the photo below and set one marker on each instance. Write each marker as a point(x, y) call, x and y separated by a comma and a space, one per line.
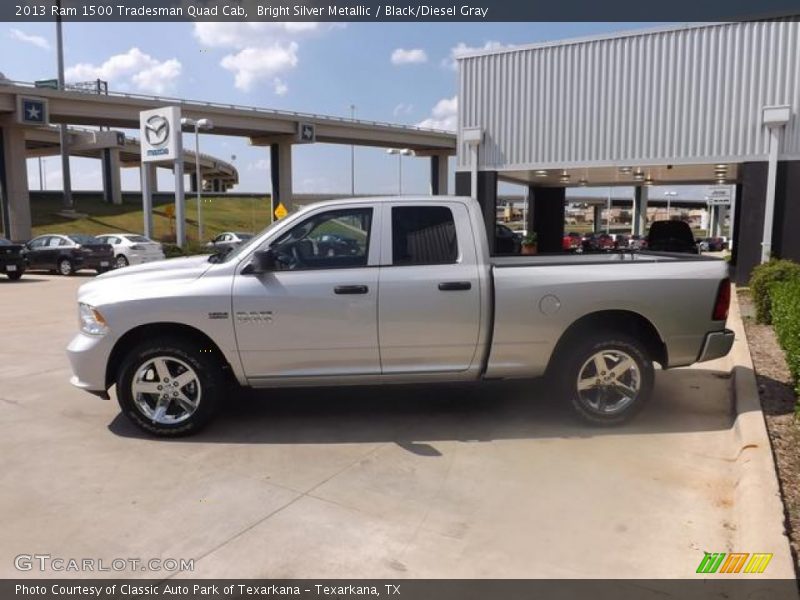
point(220, 213)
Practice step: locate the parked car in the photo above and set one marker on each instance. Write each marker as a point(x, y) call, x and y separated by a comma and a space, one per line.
point(427, 304)
point(67, 254)
point(637, 242)
point(506, 240)
point(571, 242)
point(12, 259)
point(621, 241)
point(671, 236)
point(597, 242)
point(712, 244)
point(132, 249)
point(229, 240)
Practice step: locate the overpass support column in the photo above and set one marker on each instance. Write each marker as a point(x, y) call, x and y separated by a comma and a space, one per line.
point(598, 219)
point(193, 183)
point(112, 186)
point(281, 172)
point(14, 183)
point(439, 175)
point(487, 198)
point(546, 207)
point(640, 210)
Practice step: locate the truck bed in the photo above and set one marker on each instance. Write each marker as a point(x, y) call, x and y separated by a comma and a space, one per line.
point(561, 259)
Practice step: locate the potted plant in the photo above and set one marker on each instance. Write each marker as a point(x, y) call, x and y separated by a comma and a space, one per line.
point(529, 244)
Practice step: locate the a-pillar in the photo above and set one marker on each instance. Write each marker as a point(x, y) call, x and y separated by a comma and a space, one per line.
point(281, 173)
point(598, 218)
point(487, 199)
point(546, 206)
point(640, 210)
point(112, 184)
point(14, 182)
point(439, 175)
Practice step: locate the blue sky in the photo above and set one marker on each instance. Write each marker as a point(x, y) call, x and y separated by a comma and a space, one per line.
point(399, 73)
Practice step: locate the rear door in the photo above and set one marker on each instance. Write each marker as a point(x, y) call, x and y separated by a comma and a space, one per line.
point(37, 251)
point(430, 304)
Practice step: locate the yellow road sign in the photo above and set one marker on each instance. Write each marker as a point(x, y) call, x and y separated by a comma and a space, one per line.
point(280, 211)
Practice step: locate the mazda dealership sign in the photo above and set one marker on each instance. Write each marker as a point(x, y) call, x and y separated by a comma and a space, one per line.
point(160, 131)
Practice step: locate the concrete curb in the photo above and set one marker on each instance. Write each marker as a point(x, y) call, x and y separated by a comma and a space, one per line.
point(757, 499)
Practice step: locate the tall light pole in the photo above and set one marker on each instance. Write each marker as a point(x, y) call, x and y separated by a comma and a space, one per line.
point(207, 125)
point(669, 196)
point(400, 154)
point(352, 156)
point(63, 136)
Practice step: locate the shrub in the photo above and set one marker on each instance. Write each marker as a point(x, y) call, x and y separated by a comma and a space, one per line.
point(189, 249)
point(763, 277)
point(786, 321)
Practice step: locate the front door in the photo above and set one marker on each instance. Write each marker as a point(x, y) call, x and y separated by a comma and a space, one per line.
point(316, 314)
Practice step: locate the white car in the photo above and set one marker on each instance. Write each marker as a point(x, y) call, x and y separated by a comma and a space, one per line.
point(132, 249)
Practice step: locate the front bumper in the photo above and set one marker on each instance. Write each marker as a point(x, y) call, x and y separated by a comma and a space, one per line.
point(716, 345)
point(88, 356)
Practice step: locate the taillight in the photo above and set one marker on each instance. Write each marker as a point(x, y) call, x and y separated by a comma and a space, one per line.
point(723, 302)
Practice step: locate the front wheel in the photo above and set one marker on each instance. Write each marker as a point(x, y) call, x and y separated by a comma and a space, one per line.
point(607, 378)
point(15, 275)
point(65, 267)
point(121, 261)
point(168, 388)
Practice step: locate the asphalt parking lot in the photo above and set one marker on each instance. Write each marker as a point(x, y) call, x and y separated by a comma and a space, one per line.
point(489, 481)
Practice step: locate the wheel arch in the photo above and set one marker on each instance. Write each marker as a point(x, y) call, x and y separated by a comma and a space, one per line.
point(618, 321)
point(150, 330)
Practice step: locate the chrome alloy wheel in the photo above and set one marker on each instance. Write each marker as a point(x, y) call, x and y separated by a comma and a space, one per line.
point(609, 381)
point(166, 390)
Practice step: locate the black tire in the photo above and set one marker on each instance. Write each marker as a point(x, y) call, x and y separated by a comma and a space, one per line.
point(65, 267)
point(15, 275)
point(592, 405)
point(121, 261)
point(208, 372)
point(102, 270)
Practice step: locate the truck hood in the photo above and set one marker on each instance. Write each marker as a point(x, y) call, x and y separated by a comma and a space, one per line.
point(121, 282)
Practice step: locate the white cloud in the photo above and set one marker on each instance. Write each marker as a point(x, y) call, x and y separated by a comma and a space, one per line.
point(144, 72)
point(401, 56)
point(280, 86)
point(247, 34)
point(461, 49)
point(35, 40)
point(251, 65)
point(443, 116)
point(402, 109)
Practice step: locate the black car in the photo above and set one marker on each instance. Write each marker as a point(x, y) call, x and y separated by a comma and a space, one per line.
point(68, 253)
point(506, 240)
point(12, 259)
point(671, 236)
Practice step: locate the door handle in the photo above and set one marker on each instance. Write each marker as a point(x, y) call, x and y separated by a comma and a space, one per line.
point(350, 289)
point(455, 286)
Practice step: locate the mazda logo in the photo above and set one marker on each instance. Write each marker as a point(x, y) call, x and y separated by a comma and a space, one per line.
point(156, 130)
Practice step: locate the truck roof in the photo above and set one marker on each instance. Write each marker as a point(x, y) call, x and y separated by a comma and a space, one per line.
point(379, 199)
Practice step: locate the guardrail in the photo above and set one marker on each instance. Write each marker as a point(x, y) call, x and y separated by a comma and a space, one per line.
point(256, 109)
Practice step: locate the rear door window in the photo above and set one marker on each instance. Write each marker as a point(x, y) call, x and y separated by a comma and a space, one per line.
point(423, 235)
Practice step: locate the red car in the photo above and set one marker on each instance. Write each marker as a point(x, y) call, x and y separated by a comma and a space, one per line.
point(571, 242)
point(598, 242)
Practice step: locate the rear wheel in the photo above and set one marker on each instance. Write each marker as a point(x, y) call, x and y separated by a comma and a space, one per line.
point(607, 378)
point(169, 388)
point(15, 275)
point(65, 267)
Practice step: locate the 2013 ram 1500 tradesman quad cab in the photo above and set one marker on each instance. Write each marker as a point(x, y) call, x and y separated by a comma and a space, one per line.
point(392, 290)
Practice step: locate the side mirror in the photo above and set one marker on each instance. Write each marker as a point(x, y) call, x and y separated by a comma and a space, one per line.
point(263, 262)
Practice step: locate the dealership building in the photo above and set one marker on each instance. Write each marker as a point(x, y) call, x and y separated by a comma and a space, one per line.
point(689, 105)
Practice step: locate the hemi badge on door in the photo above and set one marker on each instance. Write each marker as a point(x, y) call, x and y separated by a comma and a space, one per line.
point(217, 315)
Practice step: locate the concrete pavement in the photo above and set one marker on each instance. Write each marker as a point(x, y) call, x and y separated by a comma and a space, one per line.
point(436, 481)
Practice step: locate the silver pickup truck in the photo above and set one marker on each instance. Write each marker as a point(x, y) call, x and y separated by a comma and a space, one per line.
point(392, 290)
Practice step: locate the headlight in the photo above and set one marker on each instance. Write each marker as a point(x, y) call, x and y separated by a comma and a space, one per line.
point(91, 321)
